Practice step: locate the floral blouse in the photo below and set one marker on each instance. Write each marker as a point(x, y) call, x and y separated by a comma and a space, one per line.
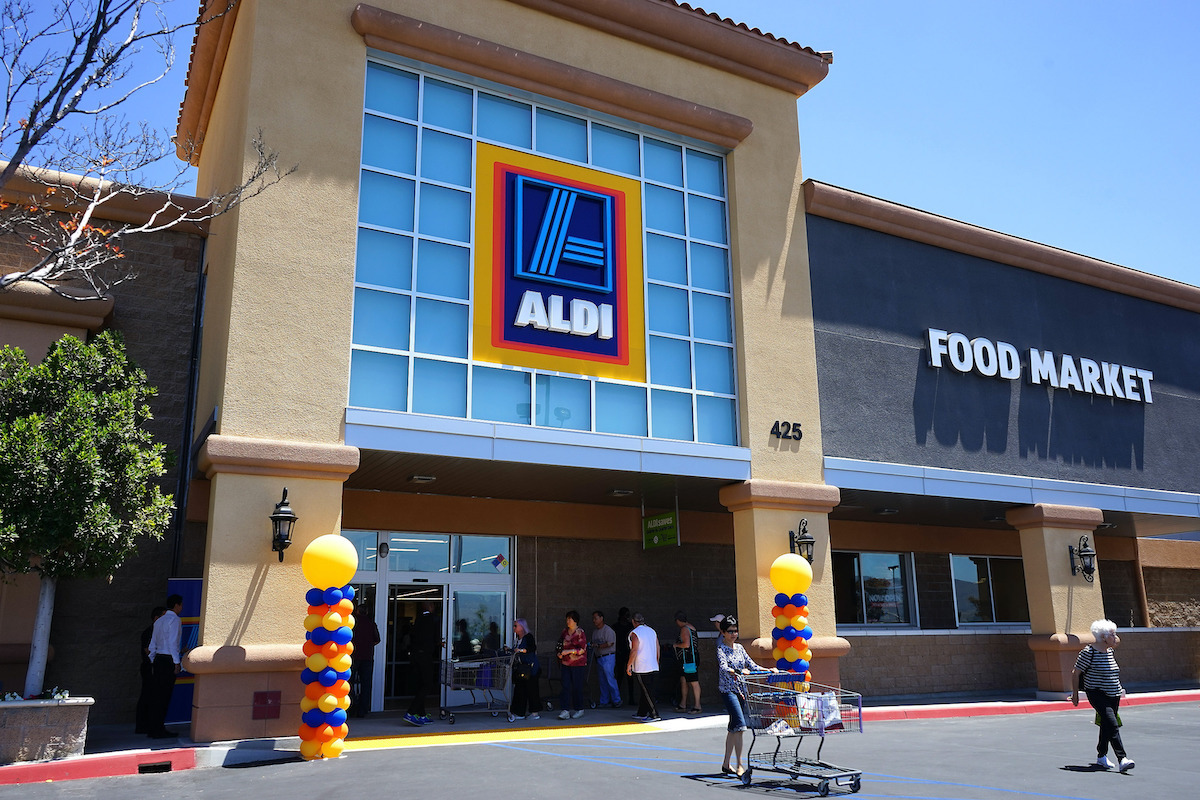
point(574, 648)
point(736, 659)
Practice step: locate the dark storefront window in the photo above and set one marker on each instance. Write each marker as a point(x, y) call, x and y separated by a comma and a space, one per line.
point(871, 589)
point(988, 589)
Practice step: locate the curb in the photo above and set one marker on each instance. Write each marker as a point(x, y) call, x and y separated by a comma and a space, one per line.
point(951, 710)
point(100, 765)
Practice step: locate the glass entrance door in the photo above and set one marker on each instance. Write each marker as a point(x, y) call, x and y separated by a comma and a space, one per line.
point(405, 601)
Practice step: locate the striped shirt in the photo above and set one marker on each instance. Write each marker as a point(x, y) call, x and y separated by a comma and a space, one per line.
point(1100, 670)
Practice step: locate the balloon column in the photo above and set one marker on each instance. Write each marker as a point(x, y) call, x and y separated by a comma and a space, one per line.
point(791, 576)
point(328, 563)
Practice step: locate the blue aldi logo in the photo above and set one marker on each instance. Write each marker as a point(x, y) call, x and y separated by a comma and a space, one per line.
point(563, 235)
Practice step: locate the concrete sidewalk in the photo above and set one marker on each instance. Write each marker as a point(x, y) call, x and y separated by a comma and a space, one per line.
point(115, 750)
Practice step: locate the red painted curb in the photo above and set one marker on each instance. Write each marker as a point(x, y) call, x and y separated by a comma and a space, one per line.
point(100, 765)
point(946, 711)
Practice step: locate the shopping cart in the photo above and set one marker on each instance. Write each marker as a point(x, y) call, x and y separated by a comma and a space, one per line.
point(784, 706)
point(485, 678)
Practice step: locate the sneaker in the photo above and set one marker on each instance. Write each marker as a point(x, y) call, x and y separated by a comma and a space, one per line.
point(516, 717)
point(425, 719)
point(413, 719)
point(653, 719)
point(564, 714)
point(1104, 762)
point(1126, 764)
point(535, 716)
point(640, 718)
point(577, 714)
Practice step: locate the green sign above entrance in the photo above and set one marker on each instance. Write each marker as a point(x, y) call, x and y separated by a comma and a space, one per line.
point(660, 530)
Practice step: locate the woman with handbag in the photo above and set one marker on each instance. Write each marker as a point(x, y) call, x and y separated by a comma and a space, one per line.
point(687, 652)
point(572, 655)
point(526, 699)
point(1097, 671)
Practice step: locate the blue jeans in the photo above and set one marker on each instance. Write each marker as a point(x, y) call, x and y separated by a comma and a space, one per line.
point(608, 681)
point(736, 707)
point(573, 681)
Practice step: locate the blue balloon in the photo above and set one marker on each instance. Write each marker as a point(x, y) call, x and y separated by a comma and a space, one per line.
point(348, 592)
point(327, 677)
point(799, 600)
point(314, 718)
point(344, 676)
point(782, 663)
point(806, 634)
point(342, 635)
point(782, 600)
point(333, 596)
point(776, 633)
point(315, 597)
point(307, 676)
point(790, 633)
point(802, 666)
point(320, 636)
point(335, 717)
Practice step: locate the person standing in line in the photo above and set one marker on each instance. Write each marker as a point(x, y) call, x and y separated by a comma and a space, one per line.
point(733, 662)
point(426, 650)
point(622, 628)
point(166, 663)
point(366, 638)
point(526, 697)
point(572, 654)
point(643, 666)
point(604, 650)
point(145, 701)
point(1097, 672)
point(687, 651)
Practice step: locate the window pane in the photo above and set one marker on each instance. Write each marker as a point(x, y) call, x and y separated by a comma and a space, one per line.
point(716, 422)
point(714, 368)
point(501, 395)
point(505, 120)
point(391, 91)
point(446, 158)
point(664, 209)
point(885, 588)
point(710, 317)
point(480, 625)
point(446, 106)
point(1008, 590)
point(386, 201)
point(710, 267)
point(388, 144)
point(562, 136)
point(441, 328)
point(564, 403)
point(664, 162)
point(445, 213)
point(443, 269)
point(440, 387)
point(847, 589)
point(706, 219)
point(378, 380)
point(705, 173)
point(381, 319)
point(971, 592)
point(665, 260)
point(668, 311)
point(418, 552)
point(670, 363)
point(615, 150)
point(620, 409)
point(384, 259)
point(672, 415)
point(365, 543)
point(487, 554)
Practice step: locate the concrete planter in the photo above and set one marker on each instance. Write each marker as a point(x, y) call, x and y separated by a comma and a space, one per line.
point(41, 730)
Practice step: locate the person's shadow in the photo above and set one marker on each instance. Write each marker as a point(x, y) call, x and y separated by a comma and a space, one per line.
point(1089, 768)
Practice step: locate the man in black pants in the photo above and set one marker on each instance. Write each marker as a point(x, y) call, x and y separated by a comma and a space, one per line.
point(165, 660)
point(425, 654)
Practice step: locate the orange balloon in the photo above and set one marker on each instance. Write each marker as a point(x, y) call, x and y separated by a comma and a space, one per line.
point(340, 689)
point(345, 607)
point(341, 731)
point(310, 648)
point(321, 609)
point(776, 611)
point(307, 733)
point(348, 648)
point(329, 650)
point(314, 691)
point(789, 611)
point(802, 611)
point(324, 733)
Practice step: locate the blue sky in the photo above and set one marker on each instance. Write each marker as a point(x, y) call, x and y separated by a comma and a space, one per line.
point(1069, 122)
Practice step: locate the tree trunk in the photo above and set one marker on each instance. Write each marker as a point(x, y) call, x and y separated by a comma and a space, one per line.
point(40, 647)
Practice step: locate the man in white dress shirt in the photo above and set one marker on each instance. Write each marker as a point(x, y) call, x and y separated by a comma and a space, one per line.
point(165, 658)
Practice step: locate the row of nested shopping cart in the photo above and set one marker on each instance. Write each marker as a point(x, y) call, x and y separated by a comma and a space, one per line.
point(780, 705)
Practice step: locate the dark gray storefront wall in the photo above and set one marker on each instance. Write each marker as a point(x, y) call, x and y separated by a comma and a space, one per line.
point(874, 298)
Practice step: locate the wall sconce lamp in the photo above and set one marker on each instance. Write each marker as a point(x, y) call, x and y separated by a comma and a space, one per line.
point(802, 542)
point(1087, 559)
point(281, 526)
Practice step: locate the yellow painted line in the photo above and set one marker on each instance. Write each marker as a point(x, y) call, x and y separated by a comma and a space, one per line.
point(499, 735)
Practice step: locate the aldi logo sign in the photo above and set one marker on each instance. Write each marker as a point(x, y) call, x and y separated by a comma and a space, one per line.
point(558, 267)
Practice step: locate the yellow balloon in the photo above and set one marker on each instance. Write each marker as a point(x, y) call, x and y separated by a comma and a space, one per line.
point(332, 621)
point(310, 749)
point(312, 622)
point(316, 662)
point(333, 748)
point(791, 574)
point(327, 702)
point(341, 663)
point(329, 561)
point(807, 654)
point(307, 704)
point(776, 654)
point(790, 654)
point(349, 621)
point(798, 622)
point(344, 703)
point(782, 622)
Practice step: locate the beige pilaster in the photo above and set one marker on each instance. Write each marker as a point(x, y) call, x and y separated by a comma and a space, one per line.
point(1062, 606)
point(763, 514)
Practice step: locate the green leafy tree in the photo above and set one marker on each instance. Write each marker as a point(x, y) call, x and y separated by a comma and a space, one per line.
point(78, 469)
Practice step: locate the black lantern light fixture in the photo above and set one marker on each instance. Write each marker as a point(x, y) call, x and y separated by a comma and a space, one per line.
point(802, 542)
point(281, 526)
point(1087, 559)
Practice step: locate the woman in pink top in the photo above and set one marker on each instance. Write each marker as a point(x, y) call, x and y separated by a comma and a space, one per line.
point(572, 654)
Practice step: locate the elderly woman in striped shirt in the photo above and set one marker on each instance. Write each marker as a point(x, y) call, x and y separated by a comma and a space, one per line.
point(1097, 672)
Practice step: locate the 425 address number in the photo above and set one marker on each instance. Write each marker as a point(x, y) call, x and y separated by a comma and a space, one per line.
point(787, 430)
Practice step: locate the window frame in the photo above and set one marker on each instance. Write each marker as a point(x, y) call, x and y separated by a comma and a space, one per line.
point(991, 584)
point(908, 570)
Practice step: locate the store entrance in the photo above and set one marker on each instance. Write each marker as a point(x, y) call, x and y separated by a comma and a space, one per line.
point(405, 601)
